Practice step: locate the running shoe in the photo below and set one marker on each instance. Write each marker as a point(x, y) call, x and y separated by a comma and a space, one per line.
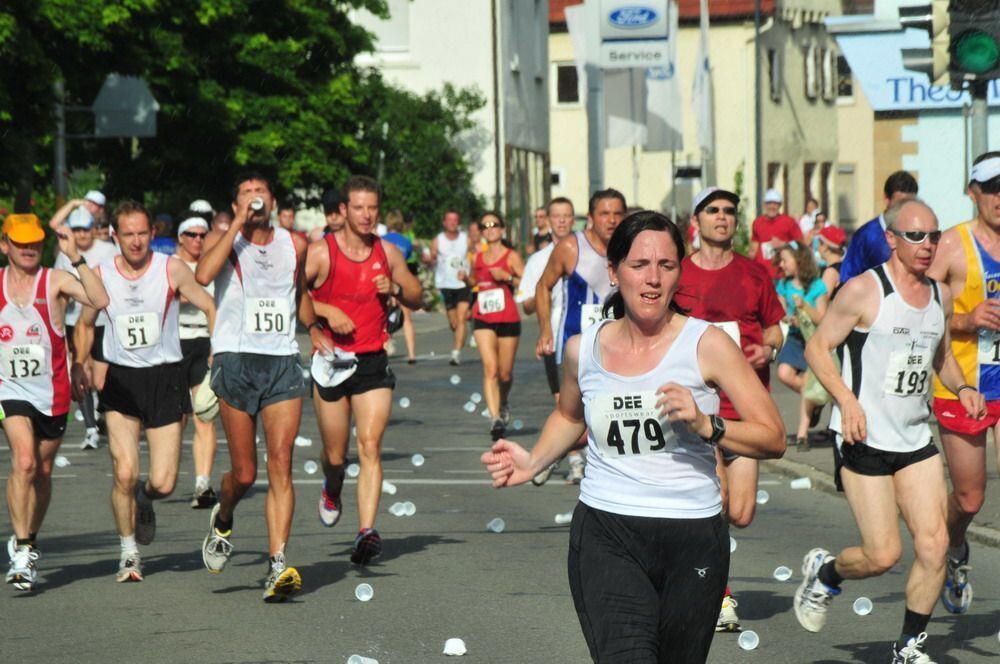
point(543, 477)
point(505, 414)
point(497, 429)
point(203, 498)
point(90, 439)
point(282, 581)
point(216, 548)
point(728, 620)
point(956, 595)
point(813, 597)
point(367, 546)
point(329, 508)
point(575, 470)
point(456, 358)
point(21, 573)
point(129, 568)
point(912, 652)
point(145, 519)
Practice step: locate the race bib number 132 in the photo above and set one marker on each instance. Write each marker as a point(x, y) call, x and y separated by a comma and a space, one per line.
point(629, 425)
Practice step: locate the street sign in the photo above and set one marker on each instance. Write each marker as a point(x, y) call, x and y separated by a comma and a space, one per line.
point(633, 33)
point(124, 108)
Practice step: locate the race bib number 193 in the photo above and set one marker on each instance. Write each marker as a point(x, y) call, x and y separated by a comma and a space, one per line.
point(909, 374)
point(629, 425)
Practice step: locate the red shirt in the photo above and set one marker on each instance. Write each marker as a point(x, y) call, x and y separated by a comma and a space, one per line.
point(491, 294)
point(782, 228)
point(350, 286)
point(741, 292)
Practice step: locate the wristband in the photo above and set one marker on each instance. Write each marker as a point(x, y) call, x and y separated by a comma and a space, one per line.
point(316, 324)
point(964, 387)
point(78, 263)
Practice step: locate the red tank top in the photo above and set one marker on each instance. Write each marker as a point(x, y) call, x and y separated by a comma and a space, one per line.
point(494, 301)
point(350, 287)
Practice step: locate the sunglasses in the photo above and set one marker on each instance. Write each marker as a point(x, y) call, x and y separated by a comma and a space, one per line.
point(715, 209)
point(200, 236)
point(990, 186)
point(490, 224)
point(917, 237)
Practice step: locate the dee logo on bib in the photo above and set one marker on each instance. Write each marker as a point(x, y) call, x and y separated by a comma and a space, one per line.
point(629, 424)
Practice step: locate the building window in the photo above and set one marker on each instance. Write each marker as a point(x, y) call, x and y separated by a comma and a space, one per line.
point(392, 35)
point(809, 185)
point(845, 79)
point(774, 74)
point(810, 76)
point(826, 184)
point(567, 84)
point(828, 79)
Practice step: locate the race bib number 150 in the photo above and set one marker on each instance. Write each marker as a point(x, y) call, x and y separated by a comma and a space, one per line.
point(629, 425)
point(266, 315)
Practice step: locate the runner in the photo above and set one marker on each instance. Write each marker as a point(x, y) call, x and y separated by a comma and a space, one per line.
point(968, 260)
point(196, 347)
point(496, 272)
point(771, 231)
point(451, 268)
point(396, 224)
point(352, 274)
point(889, 327)
point(649, 552)
point(736, 295)
point(143, 387)
point(255, 370)
point(578, 260)
point(80, 223)
point(34, 381)
point(868, 245)
point(332, 198)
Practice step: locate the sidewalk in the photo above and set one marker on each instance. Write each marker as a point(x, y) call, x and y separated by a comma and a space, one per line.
point(817, 465)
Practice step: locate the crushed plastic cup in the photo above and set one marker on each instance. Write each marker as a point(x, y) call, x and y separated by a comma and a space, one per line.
point(311, 467)
point(763, 497)
point(358, 659)
point(496, 525)
point(485, 413)
point(78, 416)
point(302, 441)
point(388, 487)
point(863, 606)
point(782, 573)
point(564, 518)
point(61, 461)
point(353, 470)
point(455, 379)
point(396, 509)
point(417, 460)
point(469, 407)
point(801, 483)
point(475, 397)
point(354, 432)
point(409, 509)
point(518, 425)
point(732, 544)
point(364, 592)
point(455, 647)
point(748, 640)
point(404, 402)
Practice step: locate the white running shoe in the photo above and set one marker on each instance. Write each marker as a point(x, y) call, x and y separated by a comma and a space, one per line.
point(912, 652)
point(813, 597)
point(129, 568)
point(91, 439)
point(21, 573)
point(956, 594)
point(329, 508)
point(456, 358)
point(282, 581)
point(728, 620)
point(216, 547)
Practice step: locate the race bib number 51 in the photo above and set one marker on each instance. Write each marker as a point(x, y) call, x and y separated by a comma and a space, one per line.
point(266, 315)
point(138, 330)
point(629, 425)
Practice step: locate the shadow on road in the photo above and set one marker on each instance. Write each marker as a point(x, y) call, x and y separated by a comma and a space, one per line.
point(761, 604)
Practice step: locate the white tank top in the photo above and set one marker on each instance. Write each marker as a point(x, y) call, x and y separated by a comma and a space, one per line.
point(99, 252)
point(638, 463)
point(32, 351)
point(452, 257)
point(584, 293)
point(889, 367)
point(192, 320)
point(255, 298)
point(142, 315)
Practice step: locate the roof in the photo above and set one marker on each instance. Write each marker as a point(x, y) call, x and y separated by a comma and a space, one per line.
point(689, 9)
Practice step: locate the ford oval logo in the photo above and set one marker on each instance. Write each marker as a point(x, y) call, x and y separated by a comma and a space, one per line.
point(633, 17)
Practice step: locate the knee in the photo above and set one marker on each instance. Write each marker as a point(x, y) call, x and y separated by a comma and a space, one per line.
point(506, 376)
point(279, 461)
point(883, 558)
point(932, 547)
point(126, 475)
point(969, 501)
point(245, 474)
point(369, 450)
point(490, 372)
point(24, 465)
point(162, 484)
point(786, 374)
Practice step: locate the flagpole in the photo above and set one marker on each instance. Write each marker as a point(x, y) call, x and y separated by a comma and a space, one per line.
point(673, 185)
point(758, 110)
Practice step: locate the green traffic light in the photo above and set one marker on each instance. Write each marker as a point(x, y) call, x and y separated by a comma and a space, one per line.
point(976, 52)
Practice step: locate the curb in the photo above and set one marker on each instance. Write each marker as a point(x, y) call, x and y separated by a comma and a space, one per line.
point(823, 481)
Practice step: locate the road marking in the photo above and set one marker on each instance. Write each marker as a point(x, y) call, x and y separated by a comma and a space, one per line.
point(481, 448)
point(443, 481)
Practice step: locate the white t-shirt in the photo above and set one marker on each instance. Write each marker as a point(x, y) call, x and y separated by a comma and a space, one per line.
point(533, 270)
point(98, 253)
point(807, 222)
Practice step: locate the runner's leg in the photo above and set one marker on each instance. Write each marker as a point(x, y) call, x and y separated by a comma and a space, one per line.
point(42, 485)
point(966, 455)
point(409, 333)
point(241, 431)
point(281, 424)
point(507, 350)
point(741, 478)
point(488, 352)
point(334, 420)
point(164, 460)
point(371, 413)
point(873, 502)
point(204, 445)
point(24, 469)
point(123, 443)
point(921, 496)
point(461, 328)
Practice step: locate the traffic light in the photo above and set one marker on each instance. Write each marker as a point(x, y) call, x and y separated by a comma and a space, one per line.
point(934, 18)
point(965, 40)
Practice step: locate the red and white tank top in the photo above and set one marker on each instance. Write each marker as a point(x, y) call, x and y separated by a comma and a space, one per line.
point(494, 300)
point(255, 298)
point(32, 351)
point(350, 286)
point(142, 329)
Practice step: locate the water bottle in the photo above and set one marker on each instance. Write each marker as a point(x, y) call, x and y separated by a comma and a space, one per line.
point(257, 204)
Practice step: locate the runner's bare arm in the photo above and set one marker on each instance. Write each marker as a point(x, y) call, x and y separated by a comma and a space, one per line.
point(59, 218)
point(950, 268)
point(218, 244)
point(561, 263)
point(185, 284)
point(947, 367)
point(83, 342)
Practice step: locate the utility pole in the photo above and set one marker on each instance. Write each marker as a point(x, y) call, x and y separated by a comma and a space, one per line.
point(758, 109)
point(978, 90)
point(59, 145)
point(595, 127)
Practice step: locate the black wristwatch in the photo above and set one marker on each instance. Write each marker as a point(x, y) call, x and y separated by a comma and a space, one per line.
point(718, 430)
point(82, 261)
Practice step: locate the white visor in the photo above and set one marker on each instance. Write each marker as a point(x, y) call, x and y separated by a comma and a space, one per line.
point(986, 170)
point(191, 222)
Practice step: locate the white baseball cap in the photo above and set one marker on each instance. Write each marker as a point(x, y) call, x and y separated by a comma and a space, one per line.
point(201, 205)
point(708, 194)
point(772, 196)
point(96, 197)
point(80, 218)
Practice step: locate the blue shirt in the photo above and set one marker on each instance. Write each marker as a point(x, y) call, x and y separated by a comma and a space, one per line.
point(404, 243)
point(786, 289)
point(163, 245)
point(867, 249)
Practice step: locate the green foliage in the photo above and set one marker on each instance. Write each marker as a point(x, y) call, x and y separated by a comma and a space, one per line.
point(741, 241)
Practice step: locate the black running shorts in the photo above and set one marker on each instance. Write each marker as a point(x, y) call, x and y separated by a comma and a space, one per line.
point(500, 329)
point(156, 396)
point(865, 460)
point(46, 427)
point(453, 296)
point(195, 363)
point(373, 373)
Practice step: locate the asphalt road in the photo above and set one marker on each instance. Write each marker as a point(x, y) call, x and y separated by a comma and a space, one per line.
point(443, 573)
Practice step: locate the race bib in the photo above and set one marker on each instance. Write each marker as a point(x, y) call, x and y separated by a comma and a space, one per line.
point(456, 263)
point(629, 425)
point(490, 301)
point(21, 362)
point(989, 347)
point(266, 315)
point(767, 250)
point(138, 330)
point(590, 314)
point(732, 328)
point(909, 374)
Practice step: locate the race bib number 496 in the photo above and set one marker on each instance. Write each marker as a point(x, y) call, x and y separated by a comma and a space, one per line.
point(266, 315)
point(629, 424)
point(490, 301)
point(140, 330)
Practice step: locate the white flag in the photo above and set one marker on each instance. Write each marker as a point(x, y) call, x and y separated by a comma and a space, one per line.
point(701, 93)
point(664, 114)
point(624, 107)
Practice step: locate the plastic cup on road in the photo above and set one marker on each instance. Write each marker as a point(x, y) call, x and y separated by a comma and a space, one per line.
point(863, 606)
point(353, 470)
point(455, 647)
point(475, 397)
point(518, 425)
point(311, 467)
point(455, 379)
point(404, 403)
point(358, 659)
point(801, 483)
point(748, 640)
point(469, 407)
point(396, 509)
point(364, 592)
point(763, 497)
point(302, 441)
point(563, 519)
point(61, 461)
point(417, 460)
point(782, 573)
point(496, 525)
point(732, 544)
point(409, 509)
point(485, 413)
point(388, 487)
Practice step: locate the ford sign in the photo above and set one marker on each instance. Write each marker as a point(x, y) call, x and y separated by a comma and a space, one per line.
point(633, 17)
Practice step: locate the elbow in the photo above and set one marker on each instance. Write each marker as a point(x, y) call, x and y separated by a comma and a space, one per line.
point(775, 442)
point(102, 302)
point(202, 278)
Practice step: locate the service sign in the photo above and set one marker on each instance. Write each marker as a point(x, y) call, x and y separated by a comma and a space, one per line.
point(633, 33)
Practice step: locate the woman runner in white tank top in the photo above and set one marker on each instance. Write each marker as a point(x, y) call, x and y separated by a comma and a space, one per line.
point(649, 551)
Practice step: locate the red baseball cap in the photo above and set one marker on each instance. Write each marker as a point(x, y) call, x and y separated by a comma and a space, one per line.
point(833, 235)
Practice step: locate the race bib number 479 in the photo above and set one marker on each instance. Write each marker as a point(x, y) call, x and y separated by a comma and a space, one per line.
point(629, 424)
